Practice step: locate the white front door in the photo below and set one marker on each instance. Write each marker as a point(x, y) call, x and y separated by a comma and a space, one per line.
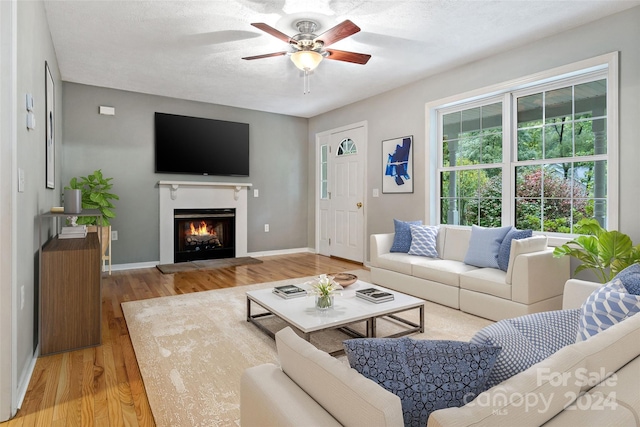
point(341, 217)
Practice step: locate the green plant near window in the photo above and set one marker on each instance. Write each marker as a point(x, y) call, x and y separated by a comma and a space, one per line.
point(95, 195)
point(605, 252)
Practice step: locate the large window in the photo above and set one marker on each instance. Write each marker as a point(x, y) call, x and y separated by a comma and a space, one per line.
point(534, 157)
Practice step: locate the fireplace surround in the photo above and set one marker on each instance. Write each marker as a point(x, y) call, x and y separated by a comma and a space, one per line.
point(178, 195)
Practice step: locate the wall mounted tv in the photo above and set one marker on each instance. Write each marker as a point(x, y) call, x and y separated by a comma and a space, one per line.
point(197, 146)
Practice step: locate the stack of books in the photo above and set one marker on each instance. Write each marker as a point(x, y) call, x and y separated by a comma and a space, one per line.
point(77, 232)
point(374, 295)
point(289, 291)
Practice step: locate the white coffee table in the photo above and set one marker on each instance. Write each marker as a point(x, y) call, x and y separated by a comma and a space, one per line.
point(301, 313)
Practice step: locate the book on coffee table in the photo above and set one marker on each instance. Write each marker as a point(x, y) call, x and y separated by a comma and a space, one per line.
point(374, 295)
point(289, 291)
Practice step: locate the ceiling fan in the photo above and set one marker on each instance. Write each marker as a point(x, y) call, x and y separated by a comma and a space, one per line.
point(308, 49)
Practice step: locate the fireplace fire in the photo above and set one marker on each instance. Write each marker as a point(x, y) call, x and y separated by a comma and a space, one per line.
point(204, 234)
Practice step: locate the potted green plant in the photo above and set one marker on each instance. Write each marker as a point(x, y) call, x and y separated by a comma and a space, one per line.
point(605, 252)
point(96, 194)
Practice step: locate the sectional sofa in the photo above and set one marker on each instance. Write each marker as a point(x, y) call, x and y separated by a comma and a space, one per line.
point(533, 281)
point(592, 382)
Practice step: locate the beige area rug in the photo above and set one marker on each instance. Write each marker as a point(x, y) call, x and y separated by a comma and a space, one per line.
point(207, 264)
point(192, 348)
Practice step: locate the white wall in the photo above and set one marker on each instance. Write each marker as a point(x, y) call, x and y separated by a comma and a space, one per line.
point(402, 112)
point(8, 75)
point(34, 48)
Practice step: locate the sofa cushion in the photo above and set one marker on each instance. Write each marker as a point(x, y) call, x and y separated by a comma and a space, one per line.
point(489, 281)
point(527, 340)
point(402, 237)
point(484, 246)
point(348, 396)
point(505, 247)
point(423, 240)
point(630, 278)
point(455, 242)
point(399, 262)
point(439, 270)
point(606, 306)
point(426, 375)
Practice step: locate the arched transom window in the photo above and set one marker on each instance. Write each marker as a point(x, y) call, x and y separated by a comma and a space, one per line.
point(346, 147)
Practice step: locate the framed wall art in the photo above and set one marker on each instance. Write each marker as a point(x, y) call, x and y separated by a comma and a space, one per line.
point(397, 165)
point(50, 148)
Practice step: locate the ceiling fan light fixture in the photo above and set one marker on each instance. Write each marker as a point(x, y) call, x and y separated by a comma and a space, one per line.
point(306, 60)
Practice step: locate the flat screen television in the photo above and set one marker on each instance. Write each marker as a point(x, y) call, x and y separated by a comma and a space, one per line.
point(198, 146)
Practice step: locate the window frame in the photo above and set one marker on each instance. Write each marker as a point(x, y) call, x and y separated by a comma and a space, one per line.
point(604, 66)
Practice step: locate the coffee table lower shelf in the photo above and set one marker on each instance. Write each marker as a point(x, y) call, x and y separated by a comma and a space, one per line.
point(371, 327)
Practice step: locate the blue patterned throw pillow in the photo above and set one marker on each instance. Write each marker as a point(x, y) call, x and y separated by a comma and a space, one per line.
point(423, 240)
point(484, 245)
point(630, 278)
point(426, 375)
point(605, 307)
point(505, 247)
point(402, 238)
point(527, 340)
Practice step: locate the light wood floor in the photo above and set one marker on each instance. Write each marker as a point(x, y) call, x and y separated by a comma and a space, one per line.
point(101, 386)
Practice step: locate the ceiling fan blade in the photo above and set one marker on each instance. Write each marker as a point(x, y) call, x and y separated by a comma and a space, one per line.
point(270, 30)
point(266, 55)
point(341, 55)
point(339, 32)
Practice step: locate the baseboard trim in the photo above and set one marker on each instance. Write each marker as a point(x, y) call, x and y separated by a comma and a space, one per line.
point(23, 384)
point(282, 252)
point(134, 265)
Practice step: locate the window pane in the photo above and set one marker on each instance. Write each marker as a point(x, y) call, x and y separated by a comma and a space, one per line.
point(591, 99)
point(558, 106)
point(470, 122)
point(530, 144)
point(558, 140)
point(591, 137)
point(451, 126)
point(530, 110)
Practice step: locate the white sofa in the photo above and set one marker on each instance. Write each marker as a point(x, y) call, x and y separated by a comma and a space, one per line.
point(532, 283)
point(311, 388)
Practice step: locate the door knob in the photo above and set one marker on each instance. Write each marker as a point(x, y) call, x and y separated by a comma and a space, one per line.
point(359, 205)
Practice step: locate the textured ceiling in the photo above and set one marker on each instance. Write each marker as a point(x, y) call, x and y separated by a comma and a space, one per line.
point(193, 49)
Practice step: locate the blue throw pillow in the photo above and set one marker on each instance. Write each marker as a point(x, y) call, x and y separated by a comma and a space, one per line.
point(605, 307)
point(527, 340)
point(423, 240)
point(505, 247)
point(630, 278)
point(484, 246)
point(402, 238)
point(426, 375)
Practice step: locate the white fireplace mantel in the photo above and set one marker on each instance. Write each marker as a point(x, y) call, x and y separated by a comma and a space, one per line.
point(175, 185)
point(201, 195)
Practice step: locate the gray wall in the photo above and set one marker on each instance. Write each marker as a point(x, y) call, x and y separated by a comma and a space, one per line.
point(123, 147)
point(34, 48)
point(402, 112)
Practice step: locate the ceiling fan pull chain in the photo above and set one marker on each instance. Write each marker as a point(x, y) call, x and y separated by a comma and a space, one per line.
point(306, 85)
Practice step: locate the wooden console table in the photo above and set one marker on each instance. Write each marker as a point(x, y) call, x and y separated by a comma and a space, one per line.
point(70, 294)
point(70, 301)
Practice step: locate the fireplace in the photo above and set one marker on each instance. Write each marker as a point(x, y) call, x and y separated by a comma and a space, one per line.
point(195, 195)
point(204, 234)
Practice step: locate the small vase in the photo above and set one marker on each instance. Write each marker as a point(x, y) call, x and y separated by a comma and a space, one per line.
point(324, 302)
